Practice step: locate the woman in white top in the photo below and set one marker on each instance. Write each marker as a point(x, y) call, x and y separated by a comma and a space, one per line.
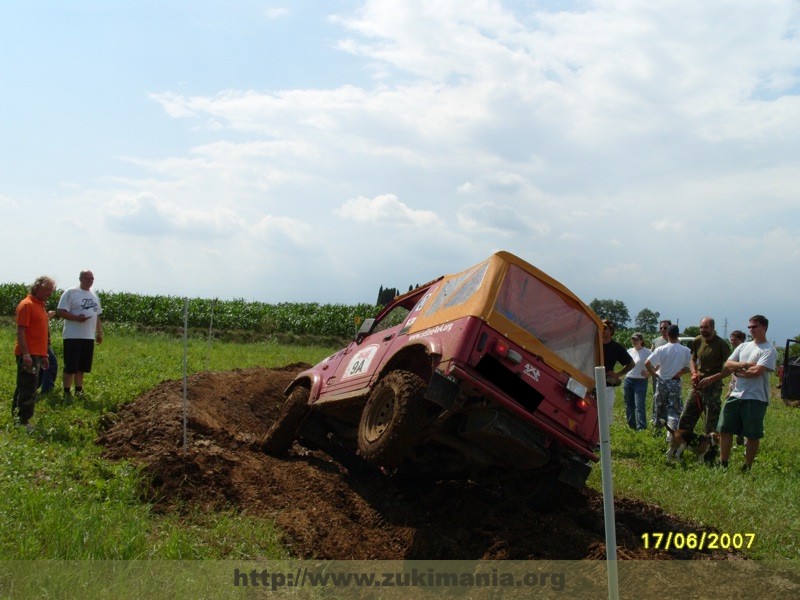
point(634, 388)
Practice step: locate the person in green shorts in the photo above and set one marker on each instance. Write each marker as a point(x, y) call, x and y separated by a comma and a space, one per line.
point(744, 411)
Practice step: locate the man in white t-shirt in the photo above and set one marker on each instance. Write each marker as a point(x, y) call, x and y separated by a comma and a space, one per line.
point(744, 411)
point(667, 364)
point(80, 308)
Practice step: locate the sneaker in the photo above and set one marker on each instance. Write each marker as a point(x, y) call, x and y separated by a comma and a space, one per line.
point(723, 464)
point(745, 468)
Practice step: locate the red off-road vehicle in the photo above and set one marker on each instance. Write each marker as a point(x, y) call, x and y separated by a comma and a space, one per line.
point(486, 373)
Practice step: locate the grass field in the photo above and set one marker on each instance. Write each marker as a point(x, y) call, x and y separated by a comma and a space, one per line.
point(60, 500)
point(763, 502)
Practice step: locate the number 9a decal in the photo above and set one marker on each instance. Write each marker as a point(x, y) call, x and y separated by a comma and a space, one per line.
point(360, 363)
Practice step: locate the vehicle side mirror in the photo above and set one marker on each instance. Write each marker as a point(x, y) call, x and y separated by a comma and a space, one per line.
point(364, 330)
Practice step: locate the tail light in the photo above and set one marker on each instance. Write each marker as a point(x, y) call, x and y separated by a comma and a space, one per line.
point(502, 350)
point(580, 391)
point(581, 405)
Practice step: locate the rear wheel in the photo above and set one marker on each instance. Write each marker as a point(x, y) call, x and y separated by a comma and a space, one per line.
point(392, 419)
point(280, 436)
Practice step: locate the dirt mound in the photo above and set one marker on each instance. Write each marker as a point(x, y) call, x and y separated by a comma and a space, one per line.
point(330, 512)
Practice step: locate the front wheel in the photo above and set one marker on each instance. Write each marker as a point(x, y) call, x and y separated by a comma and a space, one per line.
point(281, 434)
point(392, 419)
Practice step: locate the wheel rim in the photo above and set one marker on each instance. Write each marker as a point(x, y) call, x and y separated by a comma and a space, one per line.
point(380, 415)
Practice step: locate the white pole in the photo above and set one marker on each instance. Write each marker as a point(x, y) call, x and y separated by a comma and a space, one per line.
point(608, 487)
point(210, 327)
point(185, 367)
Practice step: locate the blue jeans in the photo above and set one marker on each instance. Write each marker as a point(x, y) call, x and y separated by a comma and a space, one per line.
point(635, 393)
point(47, 379)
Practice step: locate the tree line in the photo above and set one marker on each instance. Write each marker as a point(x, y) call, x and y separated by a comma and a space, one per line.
point(615, 311)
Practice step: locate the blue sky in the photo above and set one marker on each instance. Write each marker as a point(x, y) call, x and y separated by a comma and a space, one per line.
point(314, 151)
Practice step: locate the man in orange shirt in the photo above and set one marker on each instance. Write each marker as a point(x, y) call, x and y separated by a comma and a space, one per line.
point(31, 347)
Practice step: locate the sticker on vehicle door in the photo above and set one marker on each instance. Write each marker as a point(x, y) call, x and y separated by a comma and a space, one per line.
point(359, 364)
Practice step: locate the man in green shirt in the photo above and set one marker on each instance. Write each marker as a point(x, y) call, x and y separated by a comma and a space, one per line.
point(709, 353)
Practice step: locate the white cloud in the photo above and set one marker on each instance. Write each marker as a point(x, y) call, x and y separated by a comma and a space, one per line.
point(669, 225)
point(386, 208)
point(276, 13)
point(506, 221)
point(7, 202)
point(584, 136)
point(280, 231)
point(145, 215)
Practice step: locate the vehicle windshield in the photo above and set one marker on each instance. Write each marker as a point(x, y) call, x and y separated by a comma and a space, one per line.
point(557, 321)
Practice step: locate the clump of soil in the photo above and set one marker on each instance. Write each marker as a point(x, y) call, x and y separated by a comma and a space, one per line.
point(328, 511)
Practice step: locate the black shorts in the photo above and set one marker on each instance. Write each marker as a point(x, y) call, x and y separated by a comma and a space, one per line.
point(78, 355)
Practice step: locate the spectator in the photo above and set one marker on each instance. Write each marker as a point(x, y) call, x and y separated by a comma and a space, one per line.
point(737, 337)
point(663, 339)
point(613, 353)
point(659, 341)
point(709, 353)
point(634, 389)
point(31, 348)
point(80, 308)
point(47, 377)
point(667, 364)
point(746, 407)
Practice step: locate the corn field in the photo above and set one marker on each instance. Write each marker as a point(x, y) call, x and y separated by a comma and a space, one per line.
point(308, 318)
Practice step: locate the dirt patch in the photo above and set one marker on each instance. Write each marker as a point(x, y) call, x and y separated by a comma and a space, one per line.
point(330, 512)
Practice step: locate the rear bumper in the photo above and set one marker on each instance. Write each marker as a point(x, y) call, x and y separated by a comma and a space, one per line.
point(442, 386)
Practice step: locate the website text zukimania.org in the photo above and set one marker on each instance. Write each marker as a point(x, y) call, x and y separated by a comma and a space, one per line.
point(413, 577)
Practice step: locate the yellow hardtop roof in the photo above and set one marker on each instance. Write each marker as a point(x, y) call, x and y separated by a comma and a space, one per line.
point(552, 311)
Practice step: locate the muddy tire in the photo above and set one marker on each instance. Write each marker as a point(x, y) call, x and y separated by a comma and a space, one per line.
point(280, 436)
point(392, 419)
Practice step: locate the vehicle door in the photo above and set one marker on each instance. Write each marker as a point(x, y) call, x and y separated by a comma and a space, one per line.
point(357, 364)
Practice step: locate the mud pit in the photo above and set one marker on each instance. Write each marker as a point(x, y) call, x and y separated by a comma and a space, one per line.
point(328, 512)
